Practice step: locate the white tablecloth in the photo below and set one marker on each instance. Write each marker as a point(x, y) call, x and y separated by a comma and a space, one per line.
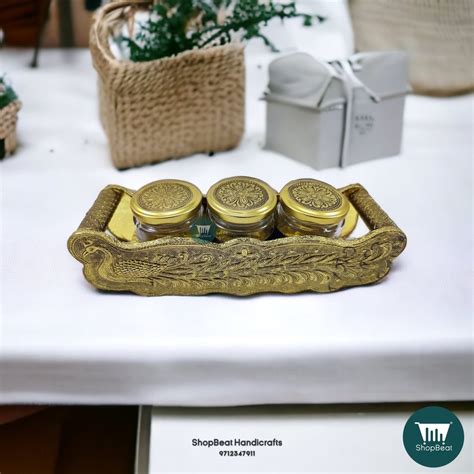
point(407, 338)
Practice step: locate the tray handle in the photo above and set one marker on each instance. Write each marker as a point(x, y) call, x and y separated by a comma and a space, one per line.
point(99, 215)
point(370, 212)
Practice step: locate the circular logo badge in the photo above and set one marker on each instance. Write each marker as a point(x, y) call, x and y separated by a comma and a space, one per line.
point(433, 436)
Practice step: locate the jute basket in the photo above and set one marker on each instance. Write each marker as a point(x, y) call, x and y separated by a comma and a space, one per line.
point(167, 108)
point(8, 120)
point(437, 34)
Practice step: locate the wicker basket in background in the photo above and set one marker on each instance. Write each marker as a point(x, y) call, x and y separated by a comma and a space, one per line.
point(437, 34)
point(8, 120)
point(167, 108)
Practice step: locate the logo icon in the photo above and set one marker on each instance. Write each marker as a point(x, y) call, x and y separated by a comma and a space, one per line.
point(433, 432)
point(433, 436)
point(203, 229)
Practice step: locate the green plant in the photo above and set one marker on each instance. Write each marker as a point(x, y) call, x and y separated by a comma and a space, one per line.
point(7, 94)
point(179, 25)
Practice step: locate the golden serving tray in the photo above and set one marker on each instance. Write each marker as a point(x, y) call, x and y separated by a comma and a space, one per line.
point(113, 260)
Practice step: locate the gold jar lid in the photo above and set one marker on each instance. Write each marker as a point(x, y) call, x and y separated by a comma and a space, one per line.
point(167, 201)
point(313, 201)
point(241, 200)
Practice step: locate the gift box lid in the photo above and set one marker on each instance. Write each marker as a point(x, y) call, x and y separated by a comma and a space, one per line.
point(301, 80)
point(385, 73)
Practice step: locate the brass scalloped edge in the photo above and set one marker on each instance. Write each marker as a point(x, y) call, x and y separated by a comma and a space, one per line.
point(180, 266)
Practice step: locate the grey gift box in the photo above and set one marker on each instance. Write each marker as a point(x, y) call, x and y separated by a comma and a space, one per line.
point(336, 113)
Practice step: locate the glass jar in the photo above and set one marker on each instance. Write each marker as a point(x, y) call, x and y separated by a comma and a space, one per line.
point(242, 207)
point(167, 207)
point(311, 207)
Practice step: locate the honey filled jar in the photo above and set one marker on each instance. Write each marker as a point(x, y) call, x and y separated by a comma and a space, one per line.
point(242, 207)
point(167, 207)
point(311, 207)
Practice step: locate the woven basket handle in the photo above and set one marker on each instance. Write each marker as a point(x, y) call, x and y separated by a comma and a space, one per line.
point(99, 35)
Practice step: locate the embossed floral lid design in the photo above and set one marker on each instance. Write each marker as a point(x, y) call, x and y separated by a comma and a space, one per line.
point(241, 199)
point(314, 201)
point(167, 201)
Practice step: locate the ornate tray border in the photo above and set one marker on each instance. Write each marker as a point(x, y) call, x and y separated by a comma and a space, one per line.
point(243, 266)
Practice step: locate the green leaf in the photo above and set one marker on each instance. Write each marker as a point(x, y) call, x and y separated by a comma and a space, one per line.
point(7, 96)
point(180, 25)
